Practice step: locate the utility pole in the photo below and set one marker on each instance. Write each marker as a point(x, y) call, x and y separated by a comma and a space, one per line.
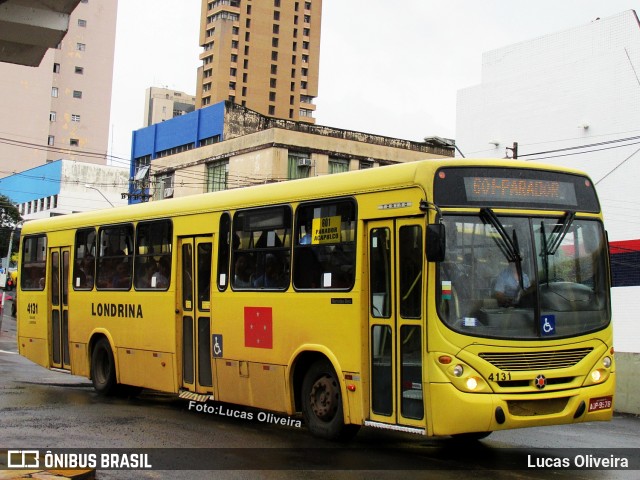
point(514, 150)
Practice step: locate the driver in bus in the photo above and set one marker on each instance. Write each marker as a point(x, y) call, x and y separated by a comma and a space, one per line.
point(507, 289)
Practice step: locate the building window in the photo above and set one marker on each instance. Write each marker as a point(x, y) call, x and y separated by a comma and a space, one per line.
point(77, 94)
point(299, 165)
point(274, 69)
point(166, 186)
point(274, 56)
point(274, 42)
point(338, 165)
point(272, 96)
point(54, 92)
point(81, 47)
point(276, 15)
point(74, 142)
point(273, 82)
point(52, 116)
point(82, 23)
point(75, 118)
point(217, 175)
point(365, 164)
point(51, 140)
point(272, 110)
point(56, 68)
point(79, 70)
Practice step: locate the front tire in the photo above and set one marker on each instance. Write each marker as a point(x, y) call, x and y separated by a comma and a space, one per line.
point(103, 368)
point(322, 403)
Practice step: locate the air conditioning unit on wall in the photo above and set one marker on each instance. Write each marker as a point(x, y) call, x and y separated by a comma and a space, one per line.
point(304, 162)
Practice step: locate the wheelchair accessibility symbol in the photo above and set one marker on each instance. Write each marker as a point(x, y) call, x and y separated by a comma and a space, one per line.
point(216, 345)
point(548, 325)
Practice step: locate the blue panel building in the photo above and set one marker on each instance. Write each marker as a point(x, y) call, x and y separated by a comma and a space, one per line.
point(196, 129)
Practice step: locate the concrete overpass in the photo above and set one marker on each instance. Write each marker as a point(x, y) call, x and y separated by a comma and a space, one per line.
point(28, 28)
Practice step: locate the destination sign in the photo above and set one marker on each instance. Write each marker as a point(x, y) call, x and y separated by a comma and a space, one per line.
point(515, 188)
point(526, 190)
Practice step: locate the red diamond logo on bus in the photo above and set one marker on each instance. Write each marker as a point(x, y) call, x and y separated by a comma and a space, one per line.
point(541, 382)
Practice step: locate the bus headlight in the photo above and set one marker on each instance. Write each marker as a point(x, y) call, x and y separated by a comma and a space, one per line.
point(596, 376)
point(458, 370)
point(472, 383)
point(606, 361)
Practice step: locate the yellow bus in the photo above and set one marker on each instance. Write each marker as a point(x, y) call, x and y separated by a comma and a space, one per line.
point(440, 297)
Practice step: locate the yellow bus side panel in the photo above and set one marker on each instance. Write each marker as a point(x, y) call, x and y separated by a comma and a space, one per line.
point(146, 369)
point(254, 384)
point(79, 359)
point(35, 349)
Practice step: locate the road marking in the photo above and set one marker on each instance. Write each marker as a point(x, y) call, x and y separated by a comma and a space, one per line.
point(5, 351)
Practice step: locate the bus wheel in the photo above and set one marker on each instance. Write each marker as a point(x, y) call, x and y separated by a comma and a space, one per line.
point(103, 368)
point(322, 403)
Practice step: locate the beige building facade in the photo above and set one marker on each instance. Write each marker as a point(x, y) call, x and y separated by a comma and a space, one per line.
point(263, 55)
point(161, 104)
point(61, 108)
point(260, 149)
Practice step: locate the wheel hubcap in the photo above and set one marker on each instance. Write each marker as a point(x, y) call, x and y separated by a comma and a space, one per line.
point(325, 398)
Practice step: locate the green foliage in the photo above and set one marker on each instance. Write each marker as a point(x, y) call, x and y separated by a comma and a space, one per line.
point(10, 218)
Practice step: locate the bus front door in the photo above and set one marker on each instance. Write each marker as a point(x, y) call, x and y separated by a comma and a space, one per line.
point(396, 322)
point(195, 313)
point(59, 307)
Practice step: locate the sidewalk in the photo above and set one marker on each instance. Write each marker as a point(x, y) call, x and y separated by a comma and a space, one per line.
point(48, 474)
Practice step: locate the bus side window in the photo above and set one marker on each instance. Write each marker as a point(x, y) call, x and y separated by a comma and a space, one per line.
point(153, 255)
point(325, 254)
point(224, 250)
point(262, 248)
point(115, 255)
point(34, 262)
point(84, 267)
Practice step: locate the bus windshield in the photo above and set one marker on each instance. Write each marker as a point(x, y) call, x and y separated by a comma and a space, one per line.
point(523, 277)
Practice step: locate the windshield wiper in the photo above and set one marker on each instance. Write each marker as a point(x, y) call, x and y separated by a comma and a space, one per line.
point(508, 246)
point(558, 233)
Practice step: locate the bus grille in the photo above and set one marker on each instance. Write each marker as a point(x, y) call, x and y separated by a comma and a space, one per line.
point(549, 360)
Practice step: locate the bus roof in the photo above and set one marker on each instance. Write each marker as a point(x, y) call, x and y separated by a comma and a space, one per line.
point(314, 188)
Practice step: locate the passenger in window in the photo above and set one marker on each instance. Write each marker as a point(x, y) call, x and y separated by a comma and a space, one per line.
point(508, 290)
point(306, 238)
point(242, 272)
point(121, 277)
point(84, 276)
point(160, 279)
point(273, 276)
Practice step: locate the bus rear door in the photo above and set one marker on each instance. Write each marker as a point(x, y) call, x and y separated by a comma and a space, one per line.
point(396, 322)
point(59, 307)
point(194, 294)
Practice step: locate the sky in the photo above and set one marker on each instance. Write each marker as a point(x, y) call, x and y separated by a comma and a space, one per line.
point(387, 68)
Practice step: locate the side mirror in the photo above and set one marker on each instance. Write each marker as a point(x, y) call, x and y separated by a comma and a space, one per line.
point(435, 242)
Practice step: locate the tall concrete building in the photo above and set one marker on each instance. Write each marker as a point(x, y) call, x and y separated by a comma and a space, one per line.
point(261, 54)
point(61, 108)
point(161, 104)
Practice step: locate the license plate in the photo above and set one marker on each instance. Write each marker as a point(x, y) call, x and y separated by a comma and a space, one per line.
point(600, 403)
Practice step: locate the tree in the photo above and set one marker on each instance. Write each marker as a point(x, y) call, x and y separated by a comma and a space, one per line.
point(10, 218)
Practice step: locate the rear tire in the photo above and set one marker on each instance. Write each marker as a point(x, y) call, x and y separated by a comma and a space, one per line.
point(322, 403)
point(103, 368)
